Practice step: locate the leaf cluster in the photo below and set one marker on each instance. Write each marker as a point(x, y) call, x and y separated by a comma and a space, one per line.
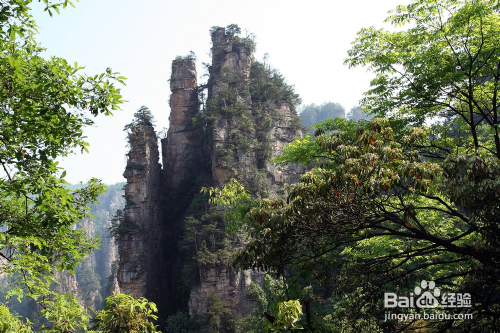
point(124, 313)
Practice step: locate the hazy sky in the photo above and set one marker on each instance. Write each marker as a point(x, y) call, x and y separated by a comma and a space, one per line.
point(306, 40)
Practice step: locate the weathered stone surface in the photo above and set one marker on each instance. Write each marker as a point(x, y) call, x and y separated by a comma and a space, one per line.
point(230, 284)
point(227, 56)
point(139, 243)
point(106, 256)
point(281, 134)
point(177, 147)
point(67, 284)
point(229, 59)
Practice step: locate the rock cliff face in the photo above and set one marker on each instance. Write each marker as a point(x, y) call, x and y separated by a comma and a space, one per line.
point(230, 71)
point(230, 284)
point(177, 147)
point(141, 231)
point(240, 127)
point(231, 63)
point(106, 257)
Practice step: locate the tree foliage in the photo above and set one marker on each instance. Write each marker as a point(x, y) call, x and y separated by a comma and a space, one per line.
point(11, 323)
point(143, 116)
point(218, 318)
point(250, 106)
point(44, 106)
point(289, 313)
point(124, 313)
point(445, 66)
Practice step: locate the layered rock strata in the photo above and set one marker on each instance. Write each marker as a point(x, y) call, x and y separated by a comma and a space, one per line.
point(177, 147)
point(232, 285)
point(141, 231)
point(231, 69)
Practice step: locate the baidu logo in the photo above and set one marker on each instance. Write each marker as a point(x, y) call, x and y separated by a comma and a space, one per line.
point(428, 299)
point(426, 295)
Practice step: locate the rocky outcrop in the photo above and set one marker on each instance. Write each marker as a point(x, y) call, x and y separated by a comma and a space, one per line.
point(236, 138)
point(106, 256)
point(280, 134)
point(231, 69)
point(230, 284)
point(231, 63)
point(139, 233)
point(177, 147)
point(233, 157)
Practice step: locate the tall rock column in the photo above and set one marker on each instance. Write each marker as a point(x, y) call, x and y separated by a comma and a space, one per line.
point(231, 63)
point(177, 146)
point(228, 56)
point(140, 232)
point(249, 126)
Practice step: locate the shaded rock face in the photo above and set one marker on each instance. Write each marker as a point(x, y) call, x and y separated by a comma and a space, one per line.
point(230, 284)
point(139, 241)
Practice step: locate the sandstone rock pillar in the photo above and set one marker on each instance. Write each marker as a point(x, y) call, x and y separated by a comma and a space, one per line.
point(177, 147)
point(231, 63)
point(140, 231)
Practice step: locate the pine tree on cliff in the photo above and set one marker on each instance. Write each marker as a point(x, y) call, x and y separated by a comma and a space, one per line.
point(143, 116)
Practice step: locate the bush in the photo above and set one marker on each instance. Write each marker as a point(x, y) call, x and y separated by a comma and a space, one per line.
point(11, 323)
point(124, 313)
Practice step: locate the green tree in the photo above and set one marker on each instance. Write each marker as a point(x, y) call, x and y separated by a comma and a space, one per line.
point(218, 318)
point(44, 106)
point(124, 313)
point(373, 215)
point(10, 323)
point(233, 29)
point(289, 313)
point(142, 116)
point(179, 323)
point(444, 68)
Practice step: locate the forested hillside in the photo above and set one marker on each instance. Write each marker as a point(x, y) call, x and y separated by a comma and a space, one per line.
point(312, 114)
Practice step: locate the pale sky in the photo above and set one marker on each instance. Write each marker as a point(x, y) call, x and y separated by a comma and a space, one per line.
point(306, 40)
